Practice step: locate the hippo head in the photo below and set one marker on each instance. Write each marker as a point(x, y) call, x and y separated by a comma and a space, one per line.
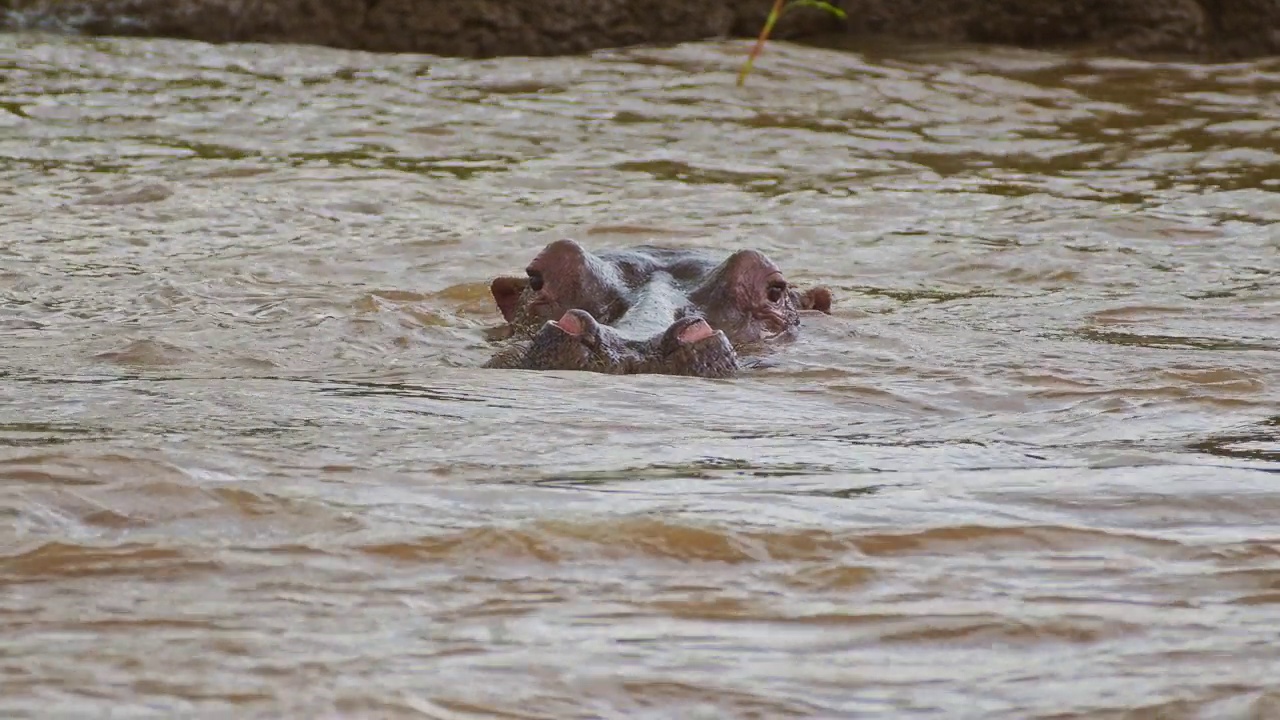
point(748, 298)
point(645, 310)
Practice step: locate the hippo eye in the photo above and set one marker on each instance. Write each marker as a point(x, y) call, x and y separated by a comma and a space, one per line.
point(776, 291)
point(535, 280)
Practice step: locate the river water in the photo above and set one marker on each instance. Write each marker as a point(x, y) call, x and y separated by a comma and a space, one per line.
point(1028, 468)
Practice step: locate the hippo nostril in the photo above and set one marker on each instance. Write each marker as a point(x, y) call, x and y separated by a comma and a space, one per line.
point(570, 324)
point(696, 331)
point(578, 323)
point(687, 331)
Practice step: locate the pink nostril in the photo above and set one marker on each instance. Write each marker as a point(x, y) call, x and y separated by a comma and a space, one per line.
point(695, 332)
point(570, 323)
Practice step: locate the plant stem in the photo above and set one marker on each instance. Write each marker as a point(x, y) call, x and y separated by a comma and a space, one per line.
point(774, 14)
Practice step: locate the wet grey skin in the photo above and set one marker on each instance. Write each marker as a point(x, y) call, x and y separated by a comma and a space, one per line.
point(646, 310)
point(577, 342)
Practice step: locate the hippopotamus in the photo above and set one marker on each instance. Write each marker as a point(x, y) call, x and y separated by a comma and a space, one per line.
point(646, 309)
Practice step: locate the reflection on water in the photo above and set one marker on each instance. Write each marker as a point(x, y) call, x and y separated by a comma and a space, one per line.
point(250, 468)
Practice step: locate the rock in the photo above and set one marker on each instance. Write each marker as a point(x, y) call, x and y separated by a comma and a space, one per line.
point(1243, 28)
point(1208, 29)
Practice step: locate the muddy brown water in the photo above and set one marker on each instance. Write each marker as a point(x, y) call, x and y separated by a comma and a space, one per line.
point(1029, 468)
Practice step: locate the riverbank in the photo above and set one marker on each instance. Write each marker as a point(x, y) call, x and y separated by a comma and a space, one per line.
point(1199, 29)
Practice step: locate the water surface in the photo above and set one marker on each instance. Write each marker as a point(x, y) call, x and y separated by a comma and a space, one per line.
point(249, 467)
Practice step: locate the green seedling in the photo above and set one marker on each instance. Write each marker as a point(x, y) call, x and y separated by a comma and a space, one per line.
point(780, 7)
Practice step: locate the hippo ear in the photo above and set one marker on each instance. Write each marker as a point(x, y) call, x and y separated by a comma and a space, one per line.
point(506, 292)
point(818, 298)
